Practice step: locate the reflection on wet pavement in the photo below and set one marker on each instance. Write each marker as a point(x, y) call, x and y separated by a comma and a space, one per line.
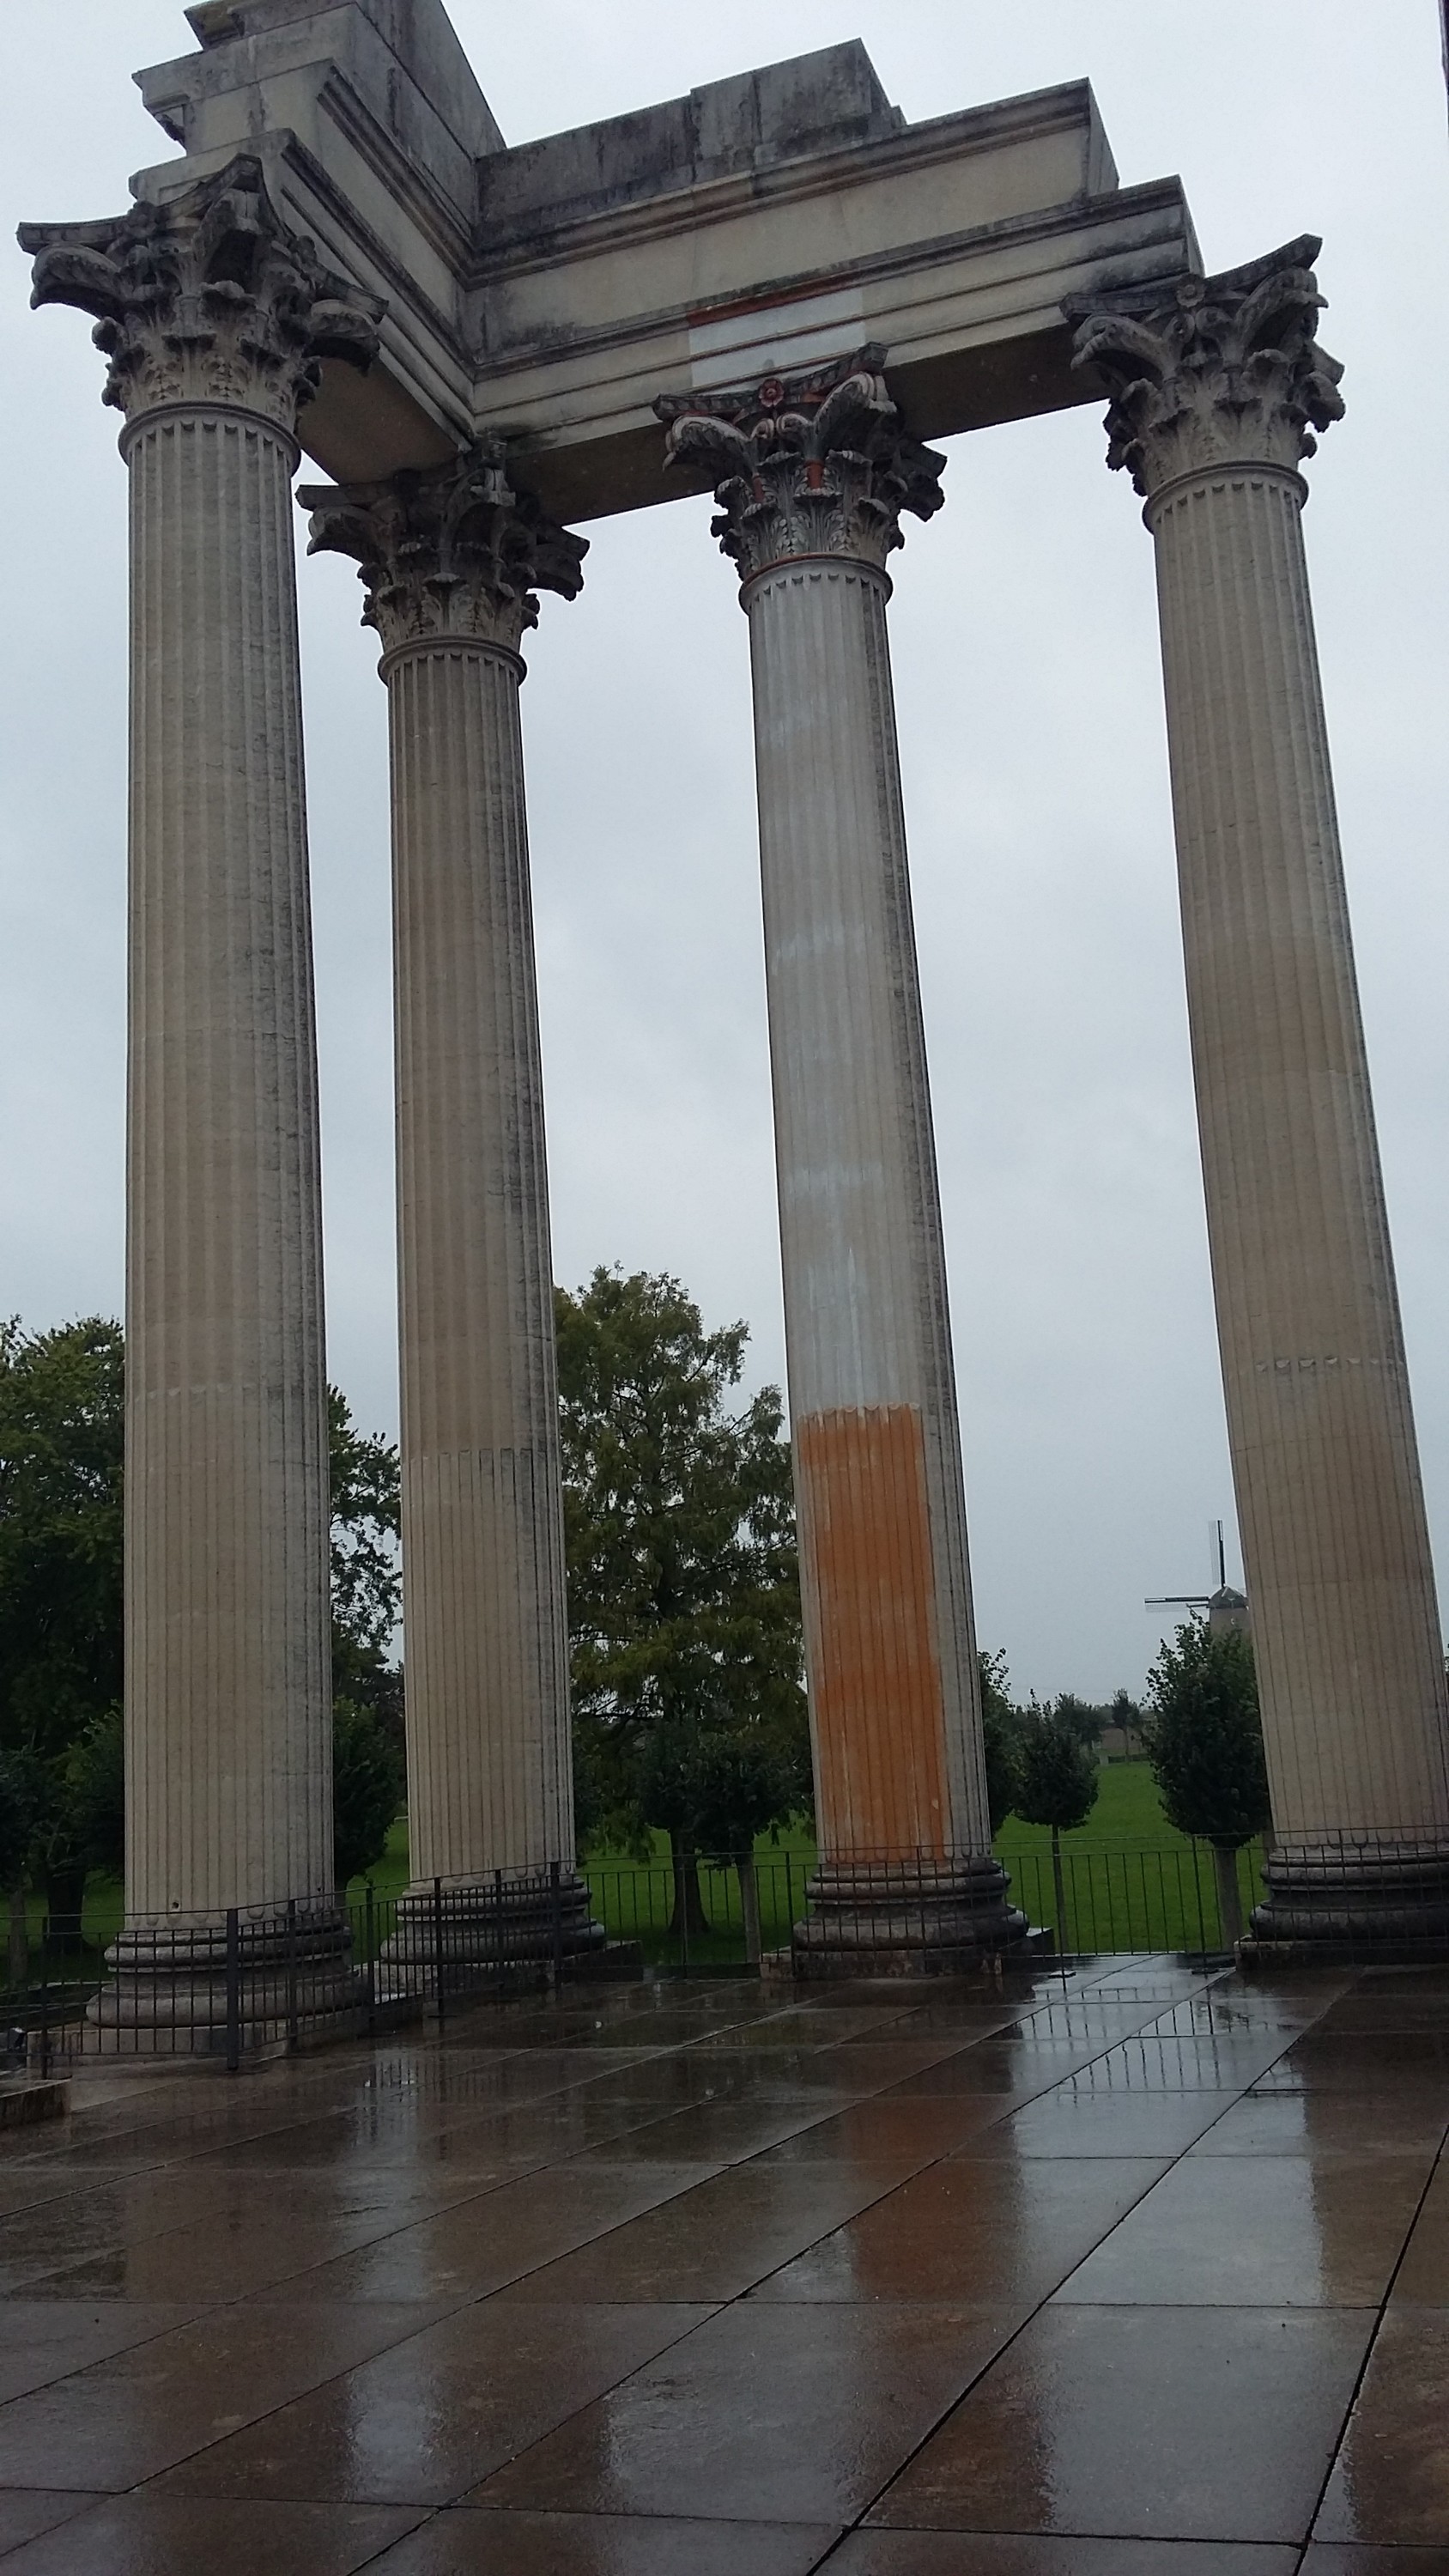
point(1123, 2271)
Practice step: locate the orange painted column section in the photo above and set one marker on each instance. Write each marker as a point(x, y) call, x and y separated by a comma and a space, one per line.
point(869, 1589)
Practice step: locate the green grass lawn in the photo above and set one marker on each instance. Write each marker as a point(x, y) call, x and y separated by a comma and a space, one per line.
point(1130, 1882)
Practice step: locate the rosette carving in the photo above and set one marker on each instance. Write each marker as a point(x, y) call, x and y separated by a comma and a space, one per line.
point(447, 550)
point(1212, 370)
point(209, 297)
point(808, 464)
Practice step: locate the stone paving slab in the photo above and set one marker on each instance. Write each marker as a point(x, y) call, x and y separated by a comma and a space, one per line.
point(1128, 2271)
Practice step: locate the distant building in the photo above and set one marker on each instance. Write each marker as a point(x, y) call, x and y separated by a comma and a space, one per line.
point(1227, 1608)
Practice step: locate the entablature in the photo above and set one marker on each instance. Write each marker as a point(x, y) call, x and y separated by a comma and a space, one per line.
point(548, 294)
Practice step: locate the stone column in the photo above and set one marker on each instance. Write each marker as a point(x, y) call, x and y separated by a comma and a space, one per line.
point(214, 319)
point(812, 474)
point(450, 558)
point(1217, 387)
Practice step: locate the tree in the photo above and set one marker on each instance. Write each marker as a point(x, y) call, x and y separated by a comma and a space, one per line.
point(1125, 1713)
point(1057, 1784)
point(62, 1444)
point(367, 1787)
point(1205, 1744)
point(684, 1601)
point(62, 1452)
point(62, 1447)
point(713, 1787)
point(26, 1791)
point(366, 1520)
point(366, 1573)
point(1001, 1730)
point(1083, 1716)
point(94, 1794)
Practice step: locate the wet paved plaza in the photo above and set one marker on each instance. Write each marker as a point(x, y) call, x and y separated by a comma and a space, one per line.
point(1129, 2270)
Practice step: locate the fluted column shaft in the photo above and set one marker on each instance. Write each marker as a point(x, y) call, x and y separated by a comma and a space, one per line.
point(448, 557)
point(483, 1571)
point(812, 473)
point(1218, 386)
point(228, 1652)
point(1330, 1502)
point(890, 1648)
point(214, 318)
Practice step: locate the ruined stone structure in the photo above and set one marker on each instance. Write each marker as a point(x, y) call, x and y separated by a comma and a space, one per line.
point(778, 290)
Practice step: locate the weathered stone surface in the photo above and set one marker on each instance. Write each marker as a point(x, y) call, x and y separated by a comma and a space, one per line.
point(815, 473)
point(765, 223)
point(451, 551)
point(449, 558)
point(207, 299)
point(214, 318)
point(1225, 369)
point(1217, 390)
point(811, 464)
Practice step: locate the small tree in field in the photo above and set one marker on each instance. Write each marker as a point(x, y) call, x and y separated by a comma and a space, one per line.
point(1205, 1745)
point(368, 1780)
point(683, 1591)
point(712, 1787)
point(26, 1793)
point(1057, 1784)
point(1001, 1731)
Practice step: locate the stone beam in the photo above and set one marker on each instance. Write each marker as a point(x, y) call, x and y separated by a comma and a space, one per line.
point(546, 296)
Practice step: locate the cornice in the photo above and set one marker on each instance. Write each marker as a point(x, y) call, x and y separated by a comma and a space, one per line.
point(1042, 225)
point(699, 204)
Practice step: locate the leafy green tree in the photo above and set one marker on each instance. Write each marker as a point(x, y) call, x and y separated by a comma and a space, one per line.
point(1124, 1712)
point(366, 1571)
point(62, 1446)
point(1001, 1728)
point(93, 1792)
point(713, 1787)
point(26, 1795)
point(366, 1520)
point(62, 1443)
point(1083, 1715)
point(62, 1449)
point(367, 1787)
point(1057, 1784)
point(1205, 1744)
point(684, 1600)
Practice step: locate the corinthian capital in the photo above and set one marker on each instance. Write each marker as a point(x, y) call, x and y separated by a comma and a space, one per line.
point(1212, 370)
point(209, 297)
point(813, 464)
point(447, 550)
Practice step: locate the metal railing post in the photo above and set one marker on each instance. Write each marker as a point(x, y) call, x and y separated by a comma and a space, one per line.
point(438, 1943)
point(370, 1936)
point(233, 1990)
point(294, 2035)
point(555, 1899)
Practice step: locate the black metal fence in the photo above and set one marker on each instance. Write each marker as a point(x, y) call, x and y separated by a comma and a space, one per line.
point(256, 1980)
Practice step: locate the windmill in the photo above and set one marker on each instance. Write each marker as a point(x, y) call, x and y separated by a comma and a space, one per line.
point(1225, 1607)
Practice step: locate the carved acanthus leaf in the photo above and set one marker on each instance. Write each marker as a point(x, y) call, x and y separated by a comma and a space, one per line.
point(1212, 370)
point(209, 297)
point(808, 464)
point(447, 550)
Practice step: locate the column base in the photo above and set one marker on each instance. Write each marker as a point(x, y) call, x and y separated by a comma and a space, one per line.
point(174, 1990)
point(473, 1929)
point(905, 1918)
point(1358, 1895)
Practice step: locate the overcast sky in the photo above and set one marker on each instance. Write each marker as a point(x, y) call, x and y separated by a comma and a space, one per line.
point(1028, 690)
